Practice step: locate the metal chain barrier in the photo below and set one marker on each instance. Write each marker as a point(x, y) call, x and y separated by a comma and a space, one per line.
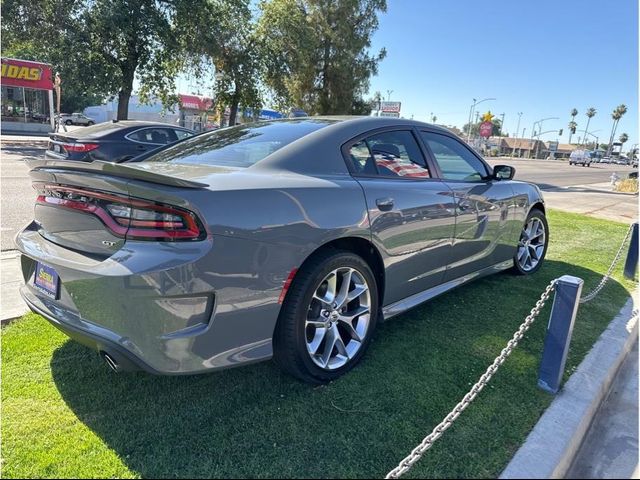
point(417, 453)
point(591, 295)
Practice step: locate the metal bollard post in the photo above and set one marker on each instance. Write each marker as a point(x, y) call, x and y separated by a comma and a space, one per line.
point(631, 264)
point(559, 330)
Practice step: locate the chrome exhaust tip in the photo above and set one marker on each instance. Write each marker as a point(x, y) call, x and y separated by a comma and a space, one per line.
point(110, 361)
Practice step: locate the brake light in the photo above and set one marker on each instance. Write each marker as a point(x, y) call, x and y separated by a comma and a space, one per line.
point(80, 147)
point(126, 217)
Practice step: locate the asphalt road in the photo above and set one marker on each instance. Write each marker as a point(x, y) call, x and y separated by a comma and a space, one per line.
point(558, 173)
point(17, 197)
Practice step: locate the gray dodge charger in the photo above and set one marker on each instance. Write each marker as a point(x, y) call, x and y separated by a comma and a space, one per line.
point(288, 239)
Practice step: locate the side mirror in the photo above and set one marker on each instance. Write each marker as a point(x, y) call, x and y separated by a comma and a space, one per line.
point(503, 172)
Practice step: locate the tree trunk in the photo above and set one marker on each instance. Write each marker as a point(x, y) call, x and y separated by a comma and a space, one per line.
point(233, 108)
point(128, 70)
point(613, 132)
point(123, 104)
point(586, 130)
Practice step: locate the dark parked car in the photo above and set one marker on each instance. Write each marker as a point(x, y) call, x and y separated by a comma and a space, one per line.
point(289, 239)
point(113, 141)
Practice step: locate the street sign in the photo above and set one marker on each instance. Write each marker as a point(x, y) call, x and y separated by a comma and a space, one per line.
point(390, 107)
point(390, 114)
point(485, 129)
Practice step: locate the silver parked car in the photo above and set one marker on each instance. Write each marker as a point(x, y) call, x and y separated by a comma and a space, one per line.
point(76, 119)
point(289, 239)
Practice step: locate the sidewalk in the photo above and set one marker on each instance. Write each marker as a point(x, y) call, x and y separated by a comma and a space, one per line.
point(610, 449)
point(596, 200)
point(10, 282)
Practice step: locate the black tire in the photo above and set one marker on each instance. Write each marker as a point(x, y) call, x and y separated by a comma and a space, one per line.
point(68, 122)
point(90, 123)
point(289, 341)
point(516, 266)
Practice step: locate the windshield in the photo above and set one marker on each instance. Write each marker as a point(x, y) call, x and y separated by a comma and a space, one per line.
point(239, 146)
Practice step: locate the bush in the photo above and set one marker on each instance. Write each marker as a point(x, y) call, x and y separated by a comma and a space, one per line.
point(628, 185)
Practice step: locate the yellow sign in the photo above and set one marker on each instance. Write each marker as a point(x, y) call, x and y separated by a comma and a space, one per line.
point(21, 73)
point(487, 117)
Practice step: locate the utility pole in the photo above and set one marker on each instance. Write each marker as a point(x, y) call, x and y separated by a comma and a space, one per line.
point(517, 132)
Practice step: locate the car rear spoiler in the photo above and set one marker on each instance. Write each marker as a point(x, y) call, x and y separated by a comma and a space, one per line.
point(114, 170)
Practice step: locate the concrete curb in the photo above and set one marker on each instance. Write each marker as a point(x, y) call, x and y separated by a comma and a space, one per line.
point(554, 442)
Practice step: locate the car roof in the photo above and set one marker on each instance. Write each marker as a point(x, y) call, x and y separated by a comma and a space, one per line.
point(310, 155)
point(104, 129)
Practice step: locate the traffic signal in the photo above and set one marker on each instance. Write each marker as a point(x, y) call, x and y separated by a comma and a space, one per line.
point(573, 130)
point(560, 132)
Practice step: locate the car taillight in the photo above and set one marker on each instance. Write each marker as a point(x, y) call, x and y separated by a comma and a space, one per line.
point(127, 217)
point(80, 147)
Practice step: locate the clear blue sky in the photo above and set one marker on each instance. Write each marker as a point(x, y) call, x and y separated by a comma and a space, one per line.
point(541, 58)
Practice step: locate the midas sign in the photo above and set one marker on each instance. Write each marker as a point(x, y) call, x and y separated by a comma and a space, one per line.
point(21, 72)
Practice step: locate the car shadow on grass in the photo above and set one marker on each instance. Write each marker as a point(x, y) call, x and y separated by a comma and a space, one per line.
point(255, 421)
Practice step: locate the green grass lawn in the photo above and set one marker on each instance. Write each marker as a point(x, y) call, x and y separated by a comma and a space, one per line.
point(64, 414)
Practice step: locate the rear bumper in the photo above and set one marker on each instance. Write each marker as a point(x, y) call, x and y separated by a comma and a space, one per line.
point(125, 359)
point(166, 308)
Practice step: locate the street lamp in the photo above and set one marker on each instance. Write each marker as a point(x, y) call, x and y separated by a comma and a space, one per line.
point(389, 92)
point(533, 129)
point(473, 107)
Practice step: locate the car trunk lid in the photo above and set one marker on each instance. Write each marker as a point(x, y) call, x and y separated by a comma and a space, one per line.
point(88, 208)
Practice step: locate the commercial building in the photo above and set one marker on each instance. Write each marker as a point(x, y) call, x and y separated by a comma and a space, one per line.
point(27, 96)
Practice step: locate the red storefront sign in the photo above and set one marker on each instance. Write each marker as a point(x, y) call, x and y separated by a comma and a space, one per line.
point(485, 129)
point(24, 73)
point(193, 102)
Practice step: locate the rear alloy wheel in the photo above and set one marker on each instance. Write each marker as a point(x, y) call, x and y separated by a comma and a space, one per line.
point(328, 317)
point(532, 246)
point(68, 122)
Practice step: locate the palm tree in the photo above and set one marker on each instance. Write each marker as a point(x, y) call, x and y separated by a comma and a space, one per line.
point(623, 138)
point(591, 112)
point(616, 115)
point(572, 124)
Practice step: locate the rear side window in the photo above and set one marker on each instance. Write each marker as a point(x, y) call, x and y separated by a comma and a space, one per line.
point(158, 136)
point(239, 146)
point(182, 134)
point(389, 154)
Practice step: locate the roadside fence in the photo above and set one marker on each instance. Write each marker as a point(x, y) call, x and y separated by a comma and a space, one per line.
point(567, 298)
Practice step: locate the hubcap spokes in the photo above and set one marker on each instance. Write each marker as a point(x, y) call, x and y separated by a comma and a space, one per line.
point(338, 318)
point(531, 244)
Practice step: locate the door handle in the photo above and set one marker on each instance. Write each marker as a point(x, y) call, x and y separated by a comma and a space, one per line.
point(141, 147)
point(384, 204)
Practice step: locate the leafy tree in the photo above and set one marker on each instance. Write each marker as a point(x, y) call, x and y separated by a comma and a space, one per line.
point(316, 52)
point(52, 31)
point(221, 35)
point(100, 46)
point(133, 37)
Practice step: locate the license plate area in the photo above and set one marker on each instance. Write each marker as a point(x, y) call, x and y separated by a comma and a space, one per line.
point(46, 280)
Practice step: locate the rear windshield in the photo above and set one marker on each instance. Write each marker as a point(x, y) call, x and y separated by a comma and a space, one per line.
point(239, 146)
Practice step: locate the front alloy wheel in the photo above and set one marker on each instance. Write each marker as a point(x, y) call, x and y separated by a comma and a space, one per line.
point(532, 245)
